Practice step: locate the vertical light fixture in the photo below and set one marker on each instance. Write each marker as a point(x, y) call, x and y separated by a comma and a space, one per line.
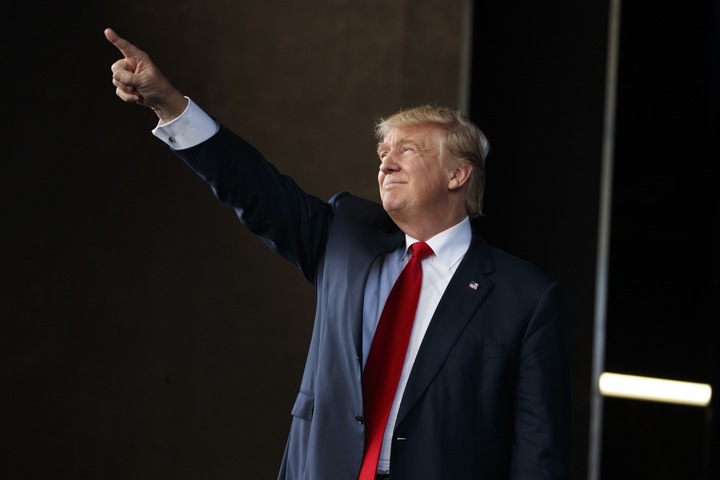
point(603, 249)
point(466, 39)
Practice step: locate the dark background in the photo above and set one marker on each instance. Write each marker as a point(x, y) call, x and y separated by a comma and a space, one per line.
point(665, 258)
point(145, 334)
point(538, 92)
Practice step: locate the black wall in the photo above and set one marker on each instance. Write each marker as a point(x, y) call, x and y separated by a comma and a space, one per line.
point(539, 73)
point(662, 296)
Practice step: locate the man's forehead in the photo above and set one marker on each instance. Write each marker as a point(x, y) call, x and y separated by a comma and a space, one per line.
point(424, 135)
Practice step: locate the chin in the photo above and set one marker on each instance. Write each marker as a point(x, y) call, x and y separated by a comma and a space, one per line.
point(393, 204)
point(392, 209)
point(388, 207)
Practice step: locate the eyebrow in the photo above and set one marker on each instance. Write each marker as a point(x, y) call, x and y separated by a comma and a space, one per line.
point(382, 145)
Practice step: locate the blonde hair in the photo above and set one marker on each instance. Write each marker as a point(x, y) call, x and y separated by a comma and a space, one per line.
point(462, 139)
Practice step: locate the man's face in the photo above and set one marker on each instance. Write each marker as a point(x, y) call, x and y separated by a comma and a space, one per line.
point(412, 180)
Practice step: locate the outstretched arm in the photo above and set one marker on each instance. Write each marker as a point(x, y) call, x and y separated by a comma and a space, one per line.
point(271, 205)
point(139, 81)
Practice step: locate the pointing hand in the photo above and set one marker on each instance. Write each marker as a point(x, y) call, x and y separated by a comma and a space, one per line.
point(139, 81)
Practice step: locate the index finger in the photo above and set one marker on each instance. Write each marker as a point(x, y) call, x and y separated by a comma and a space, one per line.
point(127, 48)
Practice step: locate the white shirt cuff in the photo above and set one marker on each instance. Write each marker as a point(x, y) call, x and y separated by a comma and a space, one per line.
point(191, 128)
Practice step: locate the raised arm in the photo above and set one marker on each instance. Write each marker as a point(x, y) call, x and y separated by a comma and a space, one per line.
point(269, 204)
point(139, 81)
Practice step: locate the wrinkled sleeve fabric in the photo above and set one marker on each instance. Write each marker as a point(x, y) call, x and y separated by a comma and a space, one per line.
point(269, 204)
point(542, 394)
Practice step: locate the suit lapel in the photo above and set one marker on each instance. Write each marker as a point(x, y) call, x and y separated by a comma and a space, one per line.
point(367, 246)
point(456, 308)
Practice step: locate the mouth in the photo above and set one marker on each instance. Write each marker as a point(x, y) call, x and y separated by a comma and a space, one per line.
point(390, 183)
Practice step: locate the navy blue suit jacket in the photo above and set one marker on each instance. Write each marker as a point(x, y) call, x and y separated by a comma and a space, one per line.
point(489, 393)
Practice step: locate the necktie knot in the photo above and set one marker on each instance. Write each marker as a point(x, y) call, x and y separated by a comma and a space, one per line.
point(421, 250)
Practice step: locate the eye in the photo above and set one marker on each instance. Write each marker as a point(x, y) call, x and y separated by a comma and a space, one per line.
point(407, 150)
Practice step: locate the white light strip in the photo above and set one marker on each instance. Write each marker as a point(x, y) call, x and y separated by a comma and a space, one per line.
point(655, 389)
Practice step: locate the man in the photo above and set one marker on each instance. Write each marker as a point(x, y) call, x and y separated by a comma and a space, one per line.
point(433, 355)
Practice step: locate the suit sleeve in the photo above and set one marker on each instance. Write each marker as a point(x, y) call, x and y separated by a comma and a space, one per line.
point(269, 204)
point(542, 395)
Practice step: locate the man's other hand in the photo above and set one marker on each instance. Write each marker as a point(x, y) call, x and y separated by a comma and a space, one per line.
point(139, 81)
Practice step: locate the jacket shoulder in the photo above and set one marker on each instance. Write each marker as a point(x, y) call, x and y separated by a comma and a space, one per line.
point(360, 212)
point(518, 274)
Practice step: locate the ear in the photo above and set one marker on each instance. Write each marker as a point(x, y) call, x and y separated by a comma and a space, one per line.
point(459, 176)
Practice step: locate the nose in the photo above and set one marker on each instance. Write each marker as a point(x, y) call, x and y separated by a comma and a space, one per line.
point(389, 164)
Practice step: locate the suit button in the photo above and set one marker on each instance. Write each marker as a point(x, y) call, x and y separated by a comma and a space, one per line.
point(359, 419)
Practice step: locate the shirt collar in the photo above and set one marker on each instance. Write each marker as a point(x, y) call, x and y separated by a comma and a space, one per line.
point(449, 246)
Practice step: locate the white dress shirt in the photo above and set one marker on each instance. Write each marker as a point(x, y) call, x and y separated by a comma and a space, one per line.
point(194, 126)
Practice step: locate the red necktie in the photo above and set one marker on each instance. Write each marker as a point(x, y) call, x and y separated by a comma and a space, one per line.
point(387, 356)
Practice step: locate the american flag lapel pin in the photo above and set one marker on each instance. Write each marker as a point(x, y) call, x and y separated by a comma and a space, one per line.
point(474, 285)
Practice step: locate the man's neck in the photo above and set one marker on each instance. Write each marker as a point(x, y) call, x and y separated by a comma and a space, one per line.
point(425, 230)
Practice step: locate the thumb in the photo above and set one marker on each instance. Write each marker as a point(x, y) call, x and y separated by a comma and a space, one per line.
point(127, 48)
